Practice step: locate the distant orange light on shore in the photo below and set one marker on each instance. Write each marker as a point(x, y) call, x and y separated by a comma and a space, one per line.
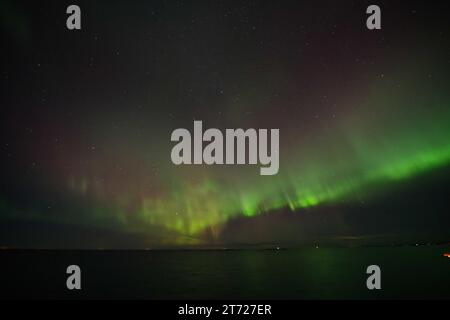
point(447, 255)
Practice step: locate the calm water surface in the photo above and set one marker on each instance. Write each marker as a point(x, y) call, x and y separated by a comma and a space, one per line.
point(323, 273)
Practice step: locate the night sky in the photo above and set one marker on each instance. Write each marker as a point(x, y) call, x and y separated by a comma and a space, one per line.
point(86, 120)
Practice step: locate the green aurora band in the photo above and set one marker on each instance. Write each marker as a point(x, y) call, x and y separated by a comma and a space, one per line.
point(374, 142)
point(347, 160)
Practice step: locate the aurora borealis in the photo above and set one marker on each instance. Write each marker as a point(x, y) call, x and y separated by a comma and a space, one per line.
point(87, 116)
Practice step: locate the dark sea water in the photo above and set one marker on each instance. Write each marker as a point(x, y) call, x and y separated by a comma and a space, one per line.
point(309, 273)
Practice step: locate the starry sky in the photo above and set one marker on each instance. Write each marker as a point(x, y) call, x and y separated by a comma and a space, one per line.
point(364, 119)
